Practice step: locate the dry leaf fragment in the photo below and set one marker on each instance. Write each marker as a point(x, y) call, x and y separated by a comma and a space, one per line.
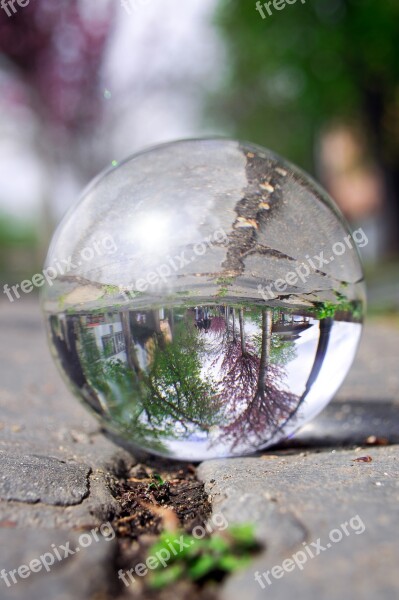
point(266, 186)
point(243, 222)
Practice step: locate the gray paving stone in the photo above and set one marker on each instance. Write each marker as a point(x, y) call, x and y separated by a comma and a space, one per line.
point(294, 494)
point(350, 423)
point(85, 574)
point(374, 375)
point(30, 478)
point(294, 498)
point(40, 418)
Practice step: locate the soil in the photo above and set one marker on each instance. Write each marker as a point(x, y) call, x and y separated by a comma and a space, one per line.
point(153, 497)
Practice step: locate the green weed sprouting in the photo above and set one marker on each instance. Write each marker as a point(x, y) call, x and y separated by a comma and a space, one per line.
point(209, 558)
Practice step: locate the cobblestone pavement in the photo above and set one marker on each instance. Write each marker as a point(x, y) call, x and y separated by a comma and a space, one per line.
point(56, 466)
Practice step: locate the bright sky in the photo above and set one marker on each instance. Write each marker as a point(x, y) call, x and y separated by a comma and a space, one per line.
point(158, 65)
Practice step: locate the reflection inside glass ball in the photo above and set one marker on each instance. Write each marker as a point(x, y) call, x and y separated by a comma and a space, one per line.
point(213, 301)
point(217, 378)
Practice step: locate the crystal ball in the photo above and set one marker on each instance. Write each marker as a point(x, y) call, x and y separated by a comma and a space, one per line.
point(204, 298)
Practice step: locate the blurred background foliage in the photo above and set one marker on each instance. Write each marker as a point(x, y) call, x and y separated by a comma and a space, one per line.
point(293, 73)
point(319, 83)
point(84, 83)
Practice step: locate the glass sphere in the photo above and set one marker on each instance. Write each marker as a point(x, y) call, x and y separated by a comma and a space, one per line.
point(204, 298)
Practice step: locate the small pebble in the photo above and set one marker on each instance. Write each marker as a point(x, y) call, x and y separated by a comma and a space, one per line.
point(281, 171)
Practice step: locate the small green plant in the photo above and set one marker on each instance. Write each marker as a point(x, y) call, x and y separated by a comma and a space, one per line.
point(325, 310)
point(225, 280)
point(157, 483)
point(61, 301)
point(206, 558)
point(222, 292)
point(111, 290)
